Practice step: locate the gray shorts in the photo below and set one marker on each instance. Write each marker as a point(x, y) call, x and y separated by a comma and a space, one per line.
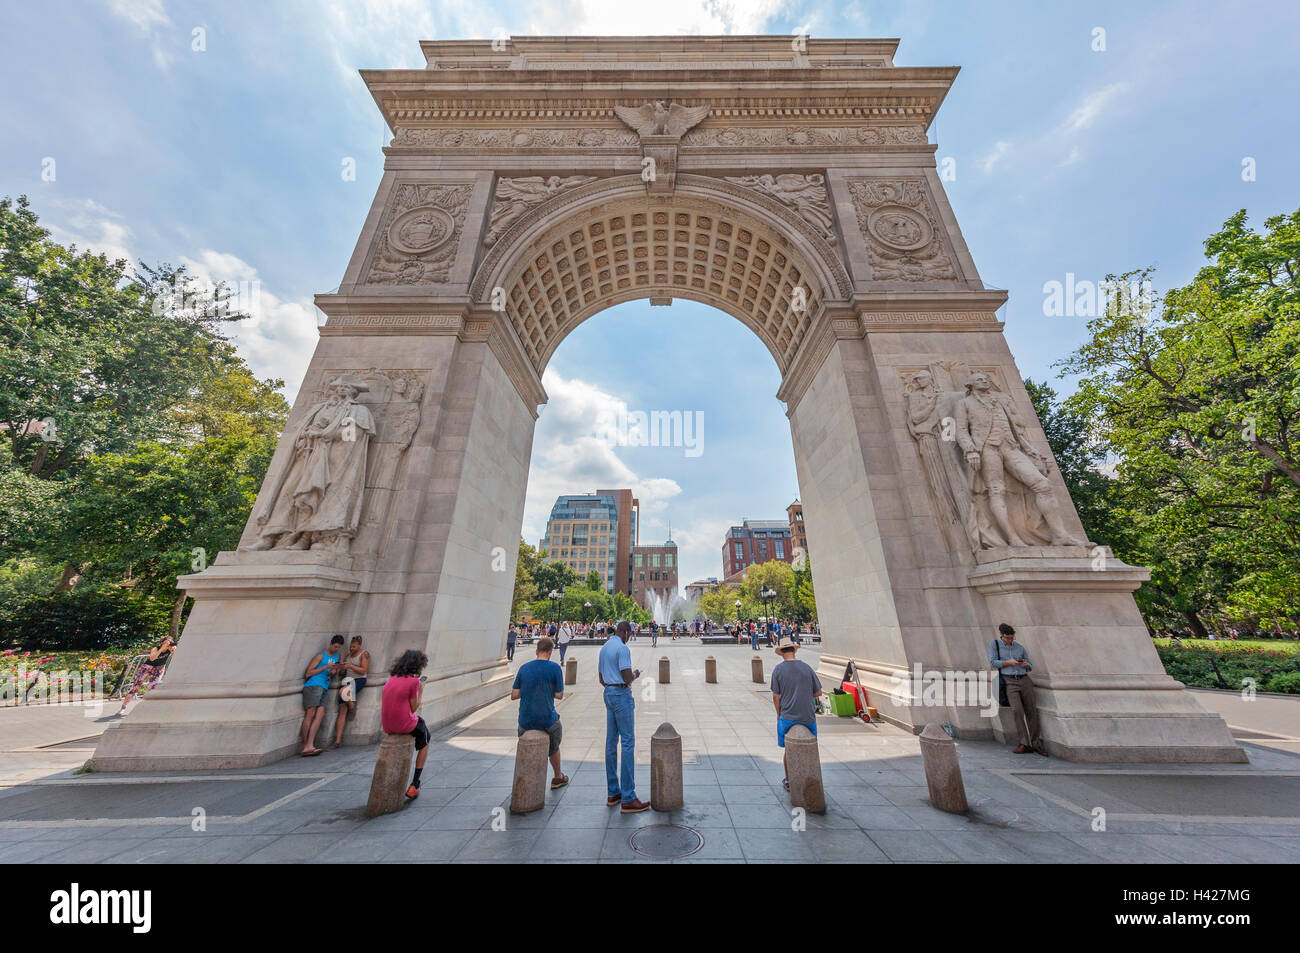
point(313, 696)
point(555, 732)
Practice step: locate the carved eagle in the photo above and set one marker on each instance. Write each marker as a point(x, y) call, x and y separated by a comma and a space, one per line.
point(656, 119)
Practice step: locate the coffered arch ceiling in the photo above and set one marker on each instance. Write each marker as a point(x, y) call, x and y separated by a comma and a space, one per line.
point(608, 242)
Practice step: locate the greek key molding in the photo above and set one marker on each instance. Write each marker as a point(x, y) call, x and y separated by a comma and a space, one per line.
point(446, 323)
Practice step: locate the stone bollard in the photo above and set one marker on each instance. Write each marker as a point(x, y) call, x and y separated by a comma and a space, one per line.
point(529, 791)
point(942, 772)
point(666, 769)
point(756, 669)
point(711, 670)
point(804, 770)
point(571, 672)
point(392, 772)
point(663, 670)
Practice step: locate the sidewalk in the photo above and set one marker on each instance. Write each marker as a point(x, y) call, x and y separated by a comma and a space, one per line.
point(1024, 809)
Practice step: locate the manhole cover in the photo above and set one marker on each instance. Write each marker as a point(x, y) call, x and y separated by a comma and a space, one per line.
point(666, 841)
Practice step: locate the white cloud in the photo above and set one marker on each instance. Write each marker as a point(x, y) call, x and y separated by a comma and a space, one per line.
point(659, 18)
point(279, 337)
point(1091, 107)
point(570, 457)
point(148, 17)
point(999, 151)
point(91, 227)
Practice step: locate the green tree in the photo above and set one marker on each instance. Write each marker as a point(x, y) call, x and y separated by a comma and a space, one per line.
point(525, 584)
point(163, 510)
point(718, 604)
point(1079, 456)
point(100, 352)
point(593, 580)
point(801, 593)
point(1198, 398)
point(776, 575)
point(552, 576)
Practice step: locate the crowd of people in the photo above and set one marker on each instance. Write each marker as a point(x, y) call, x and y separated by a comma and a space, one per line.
point(562, 633)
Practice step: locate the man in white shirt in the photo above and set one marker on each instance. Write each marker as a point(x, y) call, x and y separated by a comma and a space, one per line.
point(564, 638)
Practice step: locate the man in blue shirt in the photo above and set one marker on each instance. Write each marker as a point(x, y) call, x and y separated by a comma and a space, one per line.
point(538, 684)
point(614, 667)
point(1011, 661)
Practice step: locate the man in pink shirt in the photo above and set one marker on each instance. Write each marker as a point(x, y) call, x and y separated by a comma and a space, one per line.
point(401, 701)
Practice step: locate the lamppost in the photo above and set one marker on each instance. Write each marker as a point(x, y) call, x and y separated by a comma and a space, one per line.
point(555, 605)
point(737, 611)
point(586, 612)
point(767, 595)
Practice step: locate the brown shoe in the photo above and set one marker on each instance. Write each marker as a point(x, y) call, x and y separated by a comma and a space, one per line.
point(1039, 749)
point(1022, 749)
point(613, 801)
point(635, 806)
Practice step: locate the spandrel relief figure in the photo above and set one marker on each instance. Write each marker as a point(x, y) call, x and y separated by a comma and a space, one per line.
point(996, 447)
point(315, 503)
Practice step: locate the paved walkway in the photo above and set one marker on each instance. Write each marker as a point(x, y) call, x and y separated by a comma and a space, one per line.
point(1024, 808)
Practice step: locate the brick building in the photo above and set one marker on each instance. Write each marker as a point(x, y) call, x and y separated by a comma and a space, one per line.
point(755, 541)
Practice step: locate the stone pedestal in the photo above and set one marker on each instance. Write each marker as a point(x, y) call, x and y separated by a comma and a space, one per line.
point(756, 669)
point(1102, 692)
point(571, 671)
point(232, 697)
point(528, 793)
point(711, 670)
point(663, 670)
point(804, 770)
point(666, 769)
point(942, 772)
point(392, 774)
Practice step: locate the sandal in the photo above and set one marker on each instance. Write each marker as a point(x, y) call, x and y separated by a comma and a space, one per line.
point(559, 782)
point(312, 753)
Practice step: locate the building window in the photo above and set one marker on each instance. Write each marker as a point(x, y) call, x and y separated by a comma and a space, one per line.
point(780, 549)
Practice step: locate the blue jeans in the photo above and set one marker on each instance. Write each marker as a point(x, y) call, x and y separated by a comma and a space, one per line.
point(753, 640)
point(619, 720)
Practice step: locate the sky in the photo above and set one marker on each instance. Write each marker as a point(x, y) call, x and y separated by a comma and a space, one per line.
point(1083, 139)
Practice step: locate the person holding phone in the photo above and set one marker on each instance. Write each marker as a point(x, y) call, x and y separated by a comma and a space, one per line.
point(614, 666)
point(398, 706)
point(354, 668)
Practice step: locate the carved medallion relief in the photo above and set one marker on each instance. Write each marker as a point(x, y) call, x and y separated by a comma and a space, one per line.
point(417, 243)
point(904, 239)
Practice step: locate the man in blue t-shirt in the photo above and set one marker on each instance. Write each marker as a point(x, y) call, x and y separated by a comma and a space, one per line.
point(538, 684)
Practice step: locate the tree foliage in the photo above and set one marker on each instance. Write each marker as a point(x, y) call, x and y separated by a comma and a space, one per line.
point(1198, 399)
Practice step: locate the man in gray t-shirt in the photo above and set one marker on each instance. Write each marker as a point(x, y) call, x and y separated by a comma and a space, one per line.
point(795, 687)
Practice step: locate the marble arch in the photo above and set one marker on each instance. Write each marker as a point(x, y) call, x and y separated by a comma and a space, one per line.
point(534, 182)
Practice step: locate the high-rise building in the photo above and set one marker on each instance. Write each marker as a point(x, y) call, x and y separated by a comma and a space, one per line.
point(654, 569)
point(595, 531)
point(798, 535)
point(755, 541)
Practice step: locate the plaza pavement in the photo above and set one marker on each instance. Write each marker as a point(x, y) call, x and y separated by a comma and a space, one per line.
point(1024, 809)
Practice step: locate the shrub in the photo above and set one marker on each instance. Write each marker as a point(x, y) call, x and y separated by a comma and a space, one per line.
point(84, 618)
point(1287, 682)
